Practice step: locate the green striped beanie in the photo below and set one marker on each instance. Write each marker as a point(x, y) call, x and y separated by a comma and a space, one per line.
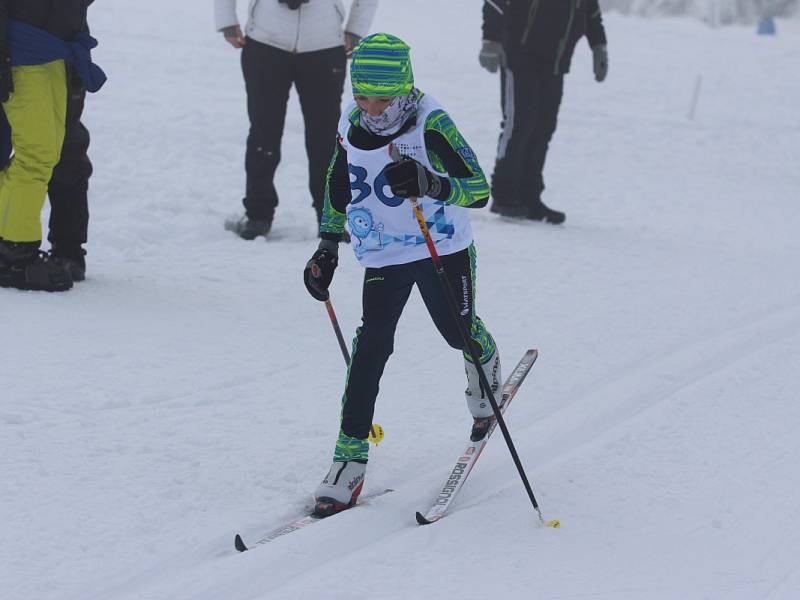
point(381, 67)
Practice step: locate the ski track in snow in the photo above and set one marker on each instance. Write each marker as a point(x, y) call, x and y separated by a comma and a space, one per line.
point(189, 389)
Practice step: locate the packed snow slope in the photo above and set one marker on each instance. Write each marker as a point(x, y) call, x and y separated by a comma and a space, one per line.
point(190, 388)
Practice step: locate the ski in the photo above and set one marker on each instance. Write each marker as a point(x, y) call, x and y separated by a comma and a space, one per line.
point(306, 520)
point(466, 461)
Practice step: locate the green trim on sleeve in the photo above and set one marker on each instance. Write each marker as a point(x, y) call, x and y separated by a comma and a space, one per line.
point(332, 220)
point(464, 191)
point(355, 116)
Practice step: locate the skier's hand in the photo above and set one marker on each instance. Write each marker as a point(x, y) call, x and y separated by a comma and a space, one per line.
point(408, 179)
point(600, 62)
point(233, 35)
point(318, 273)
point(6, 82)
point(351, 40)
point(492, 56)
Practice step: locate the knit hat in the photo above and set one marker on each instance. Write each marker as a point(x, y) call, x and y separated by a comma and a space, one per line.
point(381, 67)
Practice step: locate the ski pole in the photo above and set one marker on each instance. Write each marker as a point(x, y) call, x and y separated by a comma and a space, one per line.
point(465, 337)
point(338, 331)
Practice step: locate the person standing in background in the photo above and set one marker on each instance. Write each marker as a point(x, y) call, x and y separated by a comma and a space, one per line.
point(69, 186)
point(531, 42)
point(285, 43)
point(40, 42)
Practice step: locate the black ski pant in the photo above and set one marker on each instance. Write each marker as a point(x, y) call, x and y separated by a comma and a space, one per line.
point(530, 101)
point(385, 293)
point(69, 184)
point(269, 74)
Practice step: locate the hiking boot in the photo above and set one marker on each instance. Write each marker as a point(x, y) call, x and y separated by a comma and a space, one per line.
point(24, 267)
point(71, 259)
point(247, 228)
point(538, 211)
point(340, 488)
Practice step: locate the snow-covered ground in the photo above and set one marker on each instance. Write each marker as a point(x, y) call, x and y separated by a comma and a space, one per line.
point(190, 388)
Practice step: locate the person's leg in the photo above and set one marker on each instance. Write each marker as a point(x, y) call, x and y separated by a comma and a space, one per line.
point(36, 114)
point(549, 97)
point(519, 117)
point(268, 79)
point(385, 294)
point(460, 268)
point(319, 80)
point(69, 208)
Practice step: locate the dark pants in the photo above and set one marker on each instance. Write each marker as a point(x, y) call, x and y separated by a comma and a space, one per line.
point(69, 184)
point(386, 291)
point(530, 100)
point(269, 74)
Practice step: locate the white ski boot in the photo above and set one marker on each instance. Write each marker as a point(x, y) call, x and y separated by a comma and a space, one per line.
point(340, 488)
point(477, 398)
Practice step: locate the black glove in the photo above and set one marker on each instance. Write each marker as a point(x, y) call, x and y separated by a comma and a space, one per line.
point(319, 270)
point(408, 179)
point(6, 82)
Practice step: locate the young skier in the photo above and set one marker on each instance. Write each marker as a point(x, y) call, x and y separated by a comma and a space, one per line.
point(369, 189)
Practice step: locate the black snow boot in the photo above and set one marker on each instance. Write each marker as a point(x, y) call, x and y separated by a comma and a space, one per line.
point(25, 267)
point(72, 259)
point(247, 228)
point(513, 210)
point(538, 211)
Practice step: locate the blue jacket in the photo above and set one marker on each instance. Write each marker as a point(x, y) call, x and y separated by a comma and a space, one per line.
point(29, 45)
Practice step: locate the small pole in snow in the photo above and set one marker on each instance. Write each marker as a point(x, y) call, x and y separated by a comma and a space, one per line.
point(697, 83)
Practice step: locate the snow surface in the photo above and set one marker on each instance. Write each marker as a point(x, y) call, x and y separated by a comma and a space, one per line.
point(190, 388)
point(713, 12)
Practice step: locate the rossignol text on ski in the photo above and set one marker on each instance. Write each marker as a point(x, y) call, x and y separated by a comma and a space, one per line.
point(466, 461)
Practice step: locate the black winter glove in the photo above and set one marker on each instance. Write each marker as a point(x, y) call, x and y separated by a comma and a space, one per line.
point(6, 82)
point(408, 179)
point(318, 273)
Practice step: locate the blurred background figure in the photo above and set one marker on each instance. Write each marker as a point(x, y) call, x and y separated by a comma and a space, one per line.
point(531, 42)
point(43, 46)
point(285, 43)
point(713, 12)
point(69, 186)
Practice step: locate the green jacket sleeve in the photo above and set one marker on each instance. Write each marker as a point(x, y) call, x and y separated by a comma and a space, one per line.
point(337, 195)
point(449, 152)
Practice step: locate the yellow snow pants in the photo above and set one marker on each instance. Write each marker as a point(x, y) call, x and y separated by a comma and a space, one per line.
point(36, 112)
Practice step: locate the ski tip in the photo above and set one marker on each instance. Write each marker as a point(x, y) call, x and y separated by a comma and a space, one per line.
point(423, 521)
point(239, 543)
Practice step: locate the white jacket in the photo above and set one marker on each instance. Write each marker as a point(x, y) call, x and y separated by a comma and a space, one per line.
point(316, 25)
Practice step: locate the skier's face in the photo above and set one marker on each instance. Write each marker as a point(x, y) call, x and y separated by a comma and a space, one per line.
point(373, 105)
